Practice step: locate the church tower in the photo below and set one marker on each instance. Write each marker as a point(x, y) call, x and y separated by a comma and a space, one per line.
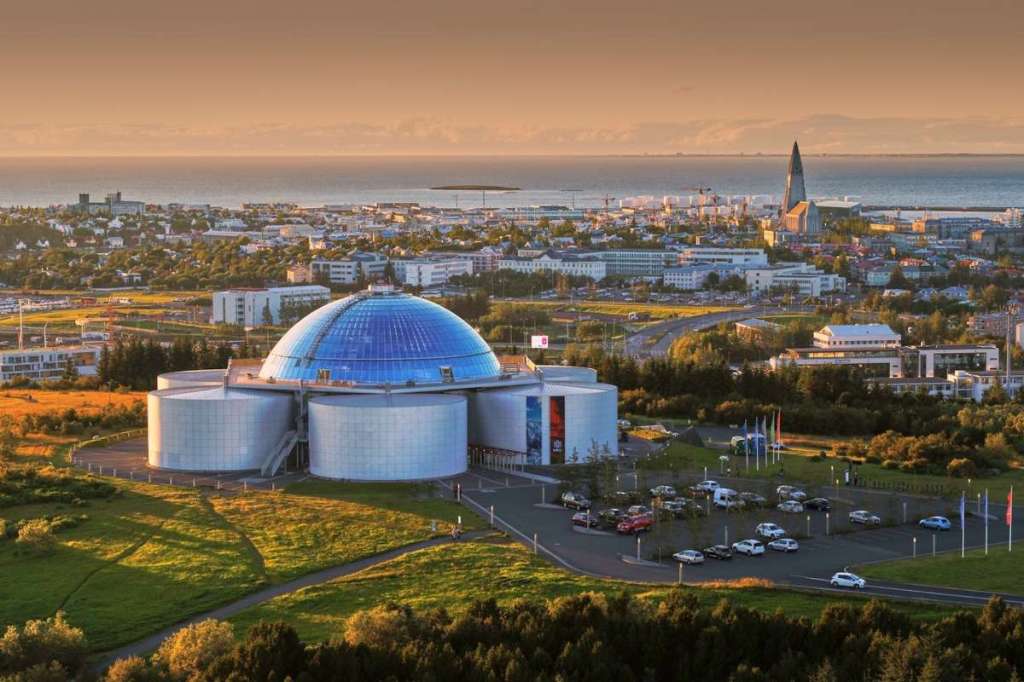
point(795, 192)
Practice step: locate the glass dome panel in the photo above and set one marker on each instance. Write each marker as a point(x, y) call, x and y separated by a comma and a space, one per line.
point(375, 338)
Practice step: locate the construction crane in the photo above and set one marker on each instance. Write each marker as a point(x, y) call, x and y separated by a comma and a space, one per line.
point(607, 200)
point(703, 192)
point(572, 196)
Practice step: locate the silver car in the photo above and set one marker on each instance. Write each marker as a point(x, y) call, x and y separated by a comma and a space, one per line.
point(784, 545)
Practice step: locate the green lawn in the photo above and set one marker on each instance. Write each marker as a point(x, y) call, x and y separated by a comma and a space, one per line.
point(155, 555)
point(454, 575)
point(1000, 571)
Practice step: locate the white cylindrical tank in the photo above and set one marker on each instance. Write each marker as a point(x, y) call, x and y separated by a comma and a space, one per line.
point(569, 374)
point(193, 377)
point(387, 437)
point(508, 418)
point(215, 429)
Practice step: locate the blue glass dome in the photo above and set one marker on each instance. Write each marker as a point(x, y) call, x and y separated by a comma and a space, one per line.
point(377, 337)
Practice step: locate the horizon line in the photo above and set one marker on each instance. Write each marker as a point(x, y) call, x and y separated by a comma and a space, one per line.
point(661, 155)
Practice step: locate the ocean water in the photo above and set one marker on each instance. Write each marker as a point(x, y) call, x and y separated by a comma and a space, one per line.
point(991, 181)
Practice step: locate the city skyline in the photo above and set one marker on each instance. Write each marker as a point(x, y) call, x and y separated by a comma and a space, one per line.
point(455, 78)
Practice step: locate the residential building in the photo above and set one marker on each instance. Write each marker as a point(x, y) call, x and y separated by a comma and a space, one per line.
point(48, 363)
point(637, 262)
point(256, 307)
point(429, 272)
point(356, 266)
point(577, 266)
point(713, 254)
point(694, 276)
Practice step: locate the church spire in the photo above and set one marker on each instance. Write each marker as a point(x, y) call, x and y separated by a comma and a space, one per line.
point(795, 192)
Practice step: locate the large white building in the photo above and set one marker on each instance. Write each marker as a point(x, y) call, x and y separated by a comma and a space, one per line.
point(48, 363)
point(715, 254)
point(877, 349)
point(579, 266)
point(380, 386)
point(257, 307)
point(694, 276)
point(367, 266)
point(799, 278)
point(430, 272)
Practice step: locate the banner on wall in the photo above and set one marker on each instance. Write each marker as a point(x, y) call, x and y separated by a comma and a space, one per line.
point(558, 429)
point(538, 342)
point(534, 431)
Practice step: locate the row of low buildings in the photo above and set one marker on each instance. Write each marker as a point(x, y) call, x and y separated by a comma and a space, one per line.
point(961, 371)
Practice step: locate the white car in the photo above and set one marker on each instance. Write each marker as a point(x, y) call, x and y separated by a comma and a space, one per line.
point(748, 547)
point(790, 506)
point(771, 531)
point(663, 491)
point(784, 545)
point(689, 556)
point(936, 523)
point(864, 517)
point(847, 580)
point(798, 495)
point(708, 486)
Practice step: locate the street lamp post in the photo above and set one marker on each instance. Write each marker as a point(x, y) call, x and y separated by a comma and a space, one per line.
point(808, 525)
point(915, 546)
point(827, 516)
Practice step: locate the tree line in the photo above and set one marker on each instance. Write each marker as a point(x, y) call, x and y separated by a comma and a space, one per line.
point(584, 637)
point(135, 364)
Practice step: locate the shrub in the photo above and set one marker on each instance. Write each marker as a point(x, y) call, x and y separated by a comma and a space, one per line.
point(41, 642)
point(194, 647)
point(36, 536)
point(132, 669)
point(961, 468)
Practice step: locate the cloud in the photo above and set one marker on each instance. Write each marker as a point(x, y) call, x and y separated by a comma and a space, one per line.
point(821, 133)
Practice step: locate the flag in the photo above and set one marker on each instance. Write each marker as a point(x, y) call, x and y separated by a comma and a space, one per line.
point(963, 497)
point(1009, 508)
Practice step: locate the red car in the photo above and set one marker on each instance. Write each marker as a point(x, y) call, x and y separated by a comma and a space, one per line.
point(635, 524)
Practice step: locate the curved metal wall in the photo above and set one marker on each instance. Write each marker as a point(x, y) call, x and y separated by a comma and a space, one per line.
point(192, 377)
point(387, 438)
point(215, 429)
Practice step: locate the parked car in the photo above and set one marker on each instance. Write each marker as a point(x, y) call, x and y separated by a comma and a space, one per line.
point(753, 499)
point(769, 530)
point(720, 552)
point(727, 498)
point(798, 495)
point(936, 523)
point(624, 498)
point(638, 510)
point(663, 491)
point(748, 547)
point(783, 491)
point(790, 506)
point(571, 500)
point(708, 486)
point(689, 556)
point(582, 518)
point(696, 492)
point(692, 507)
point(610, 518)
point(864, 517)
point(847, 580)
point(818, 504)
point(635, 524)
point(784, 545)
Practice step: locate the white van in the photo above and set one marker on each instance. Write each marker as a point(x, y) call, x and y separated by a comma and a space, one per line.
point(727, 498)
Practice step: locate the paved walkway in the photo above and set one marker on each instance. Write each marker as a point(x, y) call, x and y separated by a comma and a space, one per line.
point(150, 643)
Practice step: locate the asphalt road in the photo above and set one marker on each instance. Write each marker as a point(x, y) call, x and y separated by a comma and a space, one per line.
point(525, 505)
point(639, 345)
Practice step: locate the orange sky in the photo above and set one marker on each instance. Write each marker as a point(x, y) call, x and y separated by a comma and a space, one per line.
point(554, 76)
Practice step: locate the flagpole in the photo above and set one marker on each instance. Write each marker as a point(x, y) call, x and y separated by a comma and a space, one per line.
point(986, 521)
point(963, 530)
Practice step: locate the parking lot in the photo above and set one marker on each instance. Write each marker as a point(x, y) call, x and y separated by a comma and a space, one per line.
point(530, 507)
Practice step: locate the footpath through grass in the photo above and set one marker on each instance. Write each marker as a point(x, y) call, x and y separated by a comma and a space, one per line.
point(1000, 571)
point(153, 555)
point(454, 575)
